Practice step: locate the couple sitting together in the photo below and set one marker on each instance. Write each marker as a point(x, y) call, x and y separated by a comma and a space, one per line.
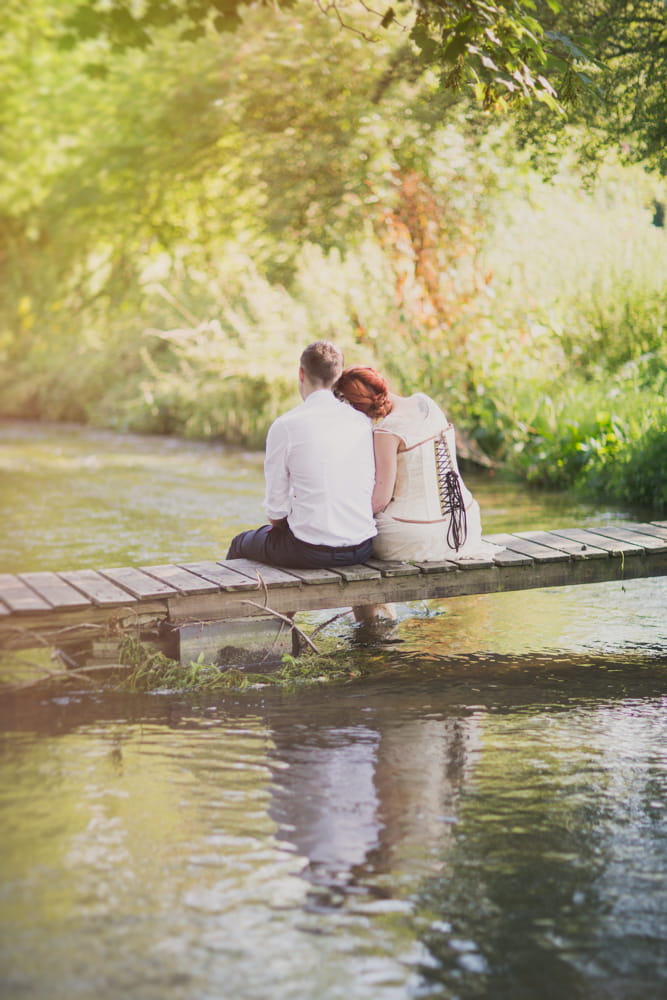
point(355, 470)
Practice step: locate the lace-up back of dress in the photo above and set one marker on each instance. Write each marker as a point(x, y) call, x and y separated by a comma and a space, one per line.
point(449, 489)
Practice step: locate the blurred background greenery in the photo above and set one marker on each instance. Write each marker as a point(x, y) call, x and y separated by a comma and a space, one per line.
point(180, 216)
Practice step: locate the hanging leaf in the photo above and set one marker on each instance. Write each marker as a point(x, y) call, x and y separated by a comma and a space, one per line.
point(388, 17)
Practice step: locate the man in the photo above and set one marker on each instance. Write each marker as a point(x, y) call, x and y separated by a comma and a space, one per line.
point(319, 473)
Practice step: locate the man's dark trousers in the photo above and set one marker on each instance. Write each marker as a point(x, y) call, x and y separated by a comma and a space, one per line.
point(277, 546)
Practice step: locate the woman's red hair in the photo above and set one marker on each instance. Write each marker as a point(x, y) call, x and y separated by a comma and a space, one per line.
point(366, 390)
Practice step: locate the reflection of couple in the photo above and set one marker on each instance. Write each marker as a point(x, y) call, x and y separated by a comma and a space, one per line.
point(339, 487)
point(353, 792)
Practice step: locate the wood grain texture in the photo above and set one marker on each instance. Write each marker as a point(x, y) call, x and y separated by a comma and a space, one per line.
point(137, 583)
point(98, 588)
point(54, 590)
point(180, 579)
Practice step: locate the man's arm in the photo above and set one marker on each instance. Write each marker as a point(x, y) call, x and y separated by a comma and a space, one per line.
point(276, 475)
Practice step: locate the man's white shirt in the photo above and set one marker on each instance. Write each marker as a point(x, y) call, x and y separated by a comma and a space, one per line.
point(319, 471)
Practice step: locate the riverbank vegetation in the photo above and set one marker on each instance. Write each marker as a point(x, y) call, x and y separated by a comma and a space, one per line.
point(142, 669)
point(179, 220)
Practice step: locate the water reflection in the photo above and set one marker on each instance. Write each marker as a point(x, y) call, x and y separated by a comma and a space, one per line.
point(372, 797)
point(585, 792)
point(471, 827)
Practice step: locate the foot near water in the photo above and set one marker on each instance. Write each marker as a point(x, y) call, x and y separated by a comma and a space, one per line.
point(374, 612)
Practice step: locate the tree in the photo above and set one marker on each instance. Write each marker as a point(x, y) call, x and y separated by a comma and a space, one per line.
point(631, 37)
point(499, 46)
point(603, 62)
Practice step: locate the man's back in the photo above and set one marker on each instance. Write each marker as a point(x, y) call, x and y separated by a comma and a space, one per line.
point(319, 468)
point(319, 471)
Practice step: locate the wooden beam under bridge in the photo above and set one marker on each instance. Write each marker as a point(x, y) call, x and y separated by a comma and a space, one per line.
point(199, 606)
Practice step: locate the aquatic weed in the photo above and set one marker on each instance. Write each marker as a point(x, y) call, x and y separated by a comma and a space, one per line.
point(154, 670)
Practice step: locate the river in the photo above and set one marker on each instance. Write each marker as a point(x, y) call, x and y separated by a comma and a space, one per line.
point(480, 813)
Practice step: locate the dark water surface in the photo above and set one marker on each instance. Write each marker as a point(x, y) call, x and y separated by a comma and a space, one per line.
point(482, 813)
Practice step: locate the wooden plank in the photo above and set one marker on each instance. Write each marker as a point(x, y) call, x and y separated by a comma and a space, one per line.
point(393, 567)
point(614, 546)
point(68, 625)
point(620, 533)
point(358, 571)
point(576, 550)
point(660, 524)
point(651, 530)
point(271, 576)
point(139, 584)
point(473, 562)
point(18, 596)
point(220, 574)
point(101, 591)
point(56, 626)
point(230, 589)
point(55, 591)
point(182, 581)
point(443, 566)
point(529, 547)
point(507, 557)
point(313, 576)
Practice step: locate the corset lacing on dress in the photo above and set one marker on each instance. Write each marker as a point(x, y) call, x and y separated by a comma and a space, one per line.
point(449, 489)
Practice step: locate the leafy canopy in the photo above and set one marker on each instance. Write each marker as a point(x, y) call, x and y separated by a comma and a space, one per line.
point(500, 48)
point(603, 62)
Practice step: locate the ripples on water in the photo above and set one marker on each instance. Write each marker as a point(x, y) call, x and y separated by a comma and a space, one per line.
point(484, 814)
point(499, 832)
point(73, 498)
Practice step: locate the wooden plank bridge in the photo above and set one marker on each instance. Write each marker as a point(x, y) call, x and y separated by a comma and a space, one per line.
point(218, 607)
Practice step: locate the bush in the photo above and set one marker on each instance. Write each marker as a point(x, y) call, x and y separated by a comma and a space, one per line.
point(638, 474)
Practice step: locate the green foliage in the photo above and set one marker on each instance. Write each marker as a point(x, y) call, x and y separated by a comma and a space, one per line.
point(501, 48)
point(620, 96)
point(600, 63)
point(153, 671)
point(601, 436)
point(318, 668)
point(639, 477)
point(577, 379)
point(176, 229)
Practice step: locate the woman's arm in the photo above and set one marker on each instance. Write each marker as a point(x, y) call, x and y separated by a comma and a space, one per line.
point(385, 447)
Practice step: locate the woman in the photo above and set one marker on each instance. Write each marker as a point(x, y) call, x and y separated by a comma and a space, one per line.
point(423, 510)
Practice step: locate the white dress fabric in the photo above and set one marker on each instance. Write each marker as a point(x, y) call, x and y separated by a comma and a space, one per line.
point(413, 525)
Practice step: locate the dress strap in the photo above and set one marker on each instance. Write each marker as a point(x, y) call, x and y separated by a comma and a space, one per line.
point(431, 437)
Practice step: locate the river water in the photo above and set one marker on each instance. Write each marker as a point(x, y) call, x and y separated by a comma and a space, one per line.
point(480, 812)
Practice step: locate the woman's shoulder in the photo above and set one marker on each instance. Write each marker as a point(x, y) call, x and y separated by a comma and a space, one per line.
point(418, 417)
point(425, 400)
point(427, 411)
